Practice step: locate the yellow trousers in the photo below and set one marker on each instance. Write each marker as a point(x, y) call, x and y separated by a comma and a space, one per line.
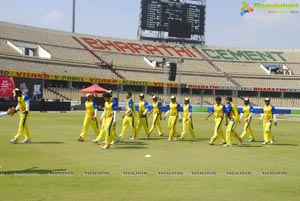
point(247, 128)
point(267, 131)
point(101, 135)
point(109, 131)
point(230, 131)
point(156, 122)
point(86, 124)
point(128, 120)
point(142, 122)
point(23, 127)
point(187, 124)
point(172, 126)
point(218, 131)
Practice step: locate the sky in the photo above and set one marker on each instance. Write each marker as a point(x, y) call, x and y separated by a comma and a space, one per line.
point(224, 26)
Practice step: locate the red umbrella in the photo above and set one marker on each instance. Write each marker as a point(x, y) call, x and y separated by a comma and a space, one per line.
point(94, 89)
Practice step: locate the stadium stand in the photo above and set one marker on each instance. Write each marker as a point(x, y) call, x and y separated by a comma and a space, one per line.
point(110, 58)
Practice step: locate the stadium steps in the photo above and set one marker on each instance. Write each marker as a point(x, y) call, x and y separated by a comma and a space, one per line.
point(52, 90)
point(217, 68)
point(110, 66)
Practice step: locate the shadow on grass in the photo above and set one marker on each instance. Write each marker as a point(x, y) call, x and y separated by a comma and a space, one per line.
point(249, 146)
point(131, 143)
point(131, 147)
point(32, 171)
point(277, 144)
point(42, 143)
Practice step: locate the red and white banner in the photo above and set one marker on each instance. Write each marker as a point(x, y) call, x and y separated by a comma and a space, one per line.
point(7, 85)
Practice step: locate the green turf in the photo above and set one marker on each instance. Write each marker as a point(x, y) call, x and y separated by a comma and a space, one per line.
point(55, 148)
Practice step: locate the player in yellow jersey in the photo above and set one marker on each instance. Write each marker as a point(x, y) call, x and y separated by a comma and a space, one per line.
point(128, 117)
point(218, 111)
point(156, 111)
point(174, 114)
point(232, 119)
point(247, 113)
point(268, 116)
point(142, 120)
point(108, 119)
point(187, 121)
point(23, 108)
point(91, 109)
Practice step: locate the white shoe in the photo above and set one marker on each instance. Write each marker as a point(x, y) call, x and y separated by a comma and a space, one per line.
point(211, 143)
point(113, 143)
point(251, 140)
point(272, 142)
point(13, 141)
point(169, 139)
point(27, 141)
point(105, 147)
point(222, 143)
point(147, 138)
point(264, 143)
point(240, 143)
point(120, 137)
point(227, 145)
point(132, 138)
point(96, 141)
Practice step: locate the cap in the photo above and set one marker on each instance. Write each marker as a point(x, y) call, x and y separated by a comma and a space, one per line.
point(246, 99)
point(187, 99)
point(173, 97)
point(267, 99)
point(142, 95)
point(88, 94)
point(154, 97)
point(107, 94)
point(16, 90)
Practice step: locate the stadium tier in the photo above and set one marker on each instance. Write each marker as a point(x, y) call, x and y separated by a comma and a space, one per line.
point(67, 57)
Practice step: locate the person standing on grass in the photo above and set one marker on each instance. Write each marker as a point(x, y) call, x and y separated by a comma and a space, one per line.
point(156, 111)
point(232, 118)
point(247, 114)
point(218, 111)
point(23, 109)
point(187, 121)
point(268, 117)
point(91, 109)
point(108, 119)
point(174, 115)
point(142, 120)
point(128, 117)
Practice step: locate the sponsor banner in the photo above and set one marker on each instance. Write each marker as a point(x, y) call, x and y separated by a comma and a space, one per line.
point(7, 85)
point(138, 48)
point(82, 79)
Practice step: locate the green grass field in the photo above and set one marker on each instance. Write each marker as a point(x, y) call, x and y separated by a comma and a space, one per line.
point(25, 167)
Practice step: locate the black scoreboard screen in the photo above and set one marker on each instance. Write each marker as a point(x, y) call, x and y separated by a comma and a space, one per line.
point(157, 14)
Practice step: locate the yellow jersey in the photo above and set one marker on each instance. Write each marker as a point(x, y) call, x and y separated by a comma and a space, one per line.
point(174, 109)
point(232, 111)
point(218, 111)
point(22, 103)
point(156, 107)
point(247, 110)
point(130, 104)
point(187, 109)
point(143, 105)
point(110, 106)
point(90, 107)
point(269, 111)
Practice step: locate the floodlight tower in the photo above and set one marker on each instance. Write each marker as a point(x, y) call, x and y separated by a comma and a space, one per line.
point(73, 17)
